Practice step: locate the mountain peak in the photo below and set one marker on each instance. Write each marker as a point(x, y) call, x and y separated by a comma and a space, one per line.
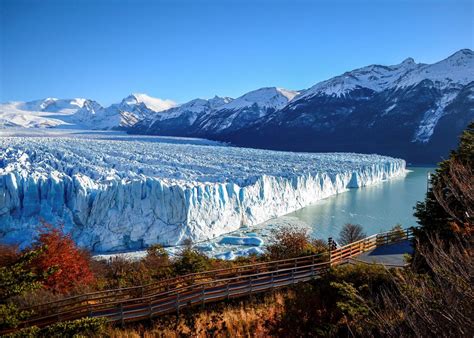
point(289, 94)
point(266, 97)
point(151, 103)
point(460, 56)
point(408, 61)
point(218, 101)
point(463, 52)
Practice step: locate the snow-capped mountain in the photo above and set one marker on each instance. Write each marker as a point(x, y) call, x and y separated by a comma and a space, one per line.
point(244, 111)
point(415, 111)
point(180, 120)
point(148, 102)
point(411, 110)
point(454, 71)
point(81, 113)
point(46, 113)
point(129, 111)
point(217, 115)
point(53, 105)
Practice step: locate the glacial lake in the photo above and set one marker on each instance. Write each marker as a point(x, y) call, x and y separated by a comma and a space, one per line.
point(377, 208)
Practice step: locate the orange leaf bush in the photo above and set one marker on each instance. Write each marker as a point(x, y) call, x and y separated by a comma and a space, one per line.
point(71, 263)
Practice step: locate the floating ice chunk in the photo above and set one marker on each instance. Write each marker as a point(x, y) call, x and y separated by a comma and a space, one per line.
point(231, 255)
point(228, 256)
point(251, 234)
point(250, 251)
point(206, 247)
point(251, 241)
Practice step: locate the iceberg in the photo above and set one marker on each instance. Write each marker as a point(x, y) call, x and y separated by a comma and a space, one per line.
point(117, 194)
point(233, 240)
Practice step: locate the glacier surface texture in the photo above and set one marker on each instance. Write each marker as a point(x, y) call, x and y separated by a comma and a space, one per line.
point(114, 195)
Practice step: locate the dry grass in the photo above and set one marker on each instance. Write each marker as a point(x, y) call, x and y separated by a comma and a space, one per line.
point(250, 318)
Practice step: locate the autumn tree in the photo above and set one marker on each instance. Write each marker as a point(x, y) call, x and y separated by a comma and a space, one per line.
point(292, 242)
point(71, 264)
point(351, 233)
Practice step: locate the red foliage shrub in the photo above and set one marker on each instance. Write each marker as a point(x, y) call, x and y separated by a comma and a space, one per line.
point(72, 263)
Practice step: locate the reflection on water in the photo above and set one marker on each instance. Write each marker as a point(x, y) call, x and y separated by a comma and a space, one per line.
point(377, 208)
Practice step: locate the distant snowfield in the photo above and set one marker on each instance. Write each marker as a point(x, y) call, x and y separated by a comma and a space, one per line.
point(115, 192)
point(102, 134)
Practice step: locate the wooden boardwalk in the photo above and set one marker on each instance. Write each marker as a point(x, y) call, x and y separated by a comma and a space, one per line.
point(171, 295)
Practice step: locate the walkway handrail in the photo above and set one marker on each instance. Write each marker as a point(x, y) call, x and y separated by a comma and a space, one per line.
point(97, 295)
point(170, 295)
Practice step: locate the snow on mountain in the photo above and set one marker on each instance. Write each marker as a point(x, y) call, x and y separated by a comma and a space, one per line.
point(218, 101)
point(374, 77)
point(46, 113)
point(431, 117)
point(245, 110)
point(180, 119)
point(132, 109)
point(217, 114)
point(409, 101)
point(264, 98)
point(410, 110)
point(64, 106)
point(151, 103)
point(196, 106)
point(116, 194)
point(80, 113)
point(457, 69)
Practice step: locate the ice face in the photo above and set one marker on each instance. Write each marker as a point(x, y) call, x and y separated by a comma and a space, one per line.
point(127, 194)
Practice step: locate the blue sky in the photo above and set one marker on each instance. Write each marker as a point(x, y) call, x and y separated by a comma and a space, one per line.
point(181, 50)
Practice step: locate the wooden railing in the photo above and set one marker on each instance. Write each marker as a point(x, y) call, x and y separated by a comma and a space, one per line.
point(168, 296)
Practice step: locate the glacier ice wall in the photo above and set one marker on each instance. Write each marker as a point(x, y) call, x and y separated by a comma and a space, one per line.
point(116, 195)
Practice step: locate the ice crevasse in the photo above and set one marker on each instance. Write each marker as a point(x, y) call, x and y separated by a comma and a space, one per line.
point(124, 195)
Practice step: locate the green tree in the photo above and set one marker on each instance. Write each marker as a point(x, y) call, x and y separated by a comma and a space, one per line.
point(190, 260)
point(16, 279)
point(448, 208)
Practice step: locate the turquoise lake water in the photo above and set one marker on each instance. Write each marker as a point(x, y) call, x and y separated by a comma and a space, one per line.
point(377, 208)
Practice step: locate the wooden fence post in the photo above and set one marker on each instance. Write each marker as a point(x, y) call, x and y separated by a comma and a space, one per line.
point(330, 248)
point(122, 320)
point(58, 313)
point(177, 303)
point(202, 296)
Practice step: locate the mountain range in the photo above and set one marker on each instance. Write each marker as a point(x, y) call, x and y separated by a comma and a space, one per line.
point(411, 110)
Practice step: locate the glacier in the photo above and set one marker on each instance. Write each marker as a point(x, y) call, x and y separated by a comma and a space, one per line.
point(125, 194)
